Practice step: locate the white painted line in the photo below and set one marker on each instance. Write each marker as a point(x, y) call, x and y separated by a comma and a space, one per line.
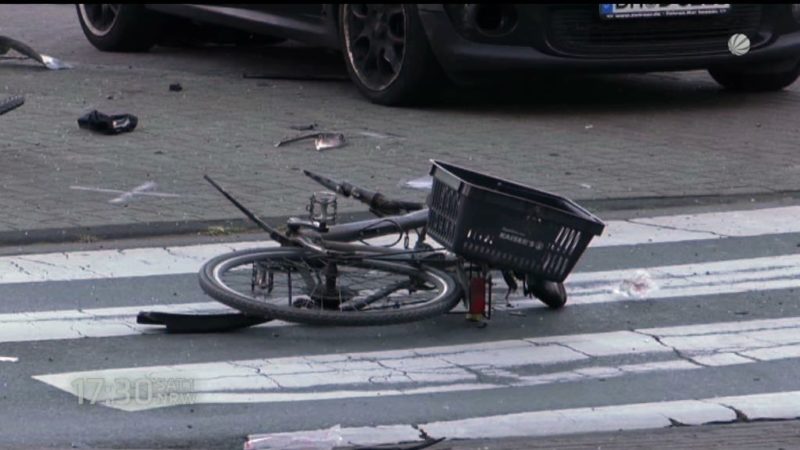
point(96, 322)
point(691, 280)
point(135, 262)
point(455, 368)
point(144, 189)
point(86, 265)
point(637, 416)
point(691, 227)
point(675, 282)
point(93, 265)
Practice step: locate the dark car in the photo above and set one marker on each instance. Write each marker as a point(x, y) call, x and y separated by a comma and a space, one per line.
point(398, 53)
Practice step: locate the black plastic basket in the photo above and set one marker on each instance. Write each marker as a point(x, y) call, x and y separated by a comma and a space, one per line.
point(507, 225)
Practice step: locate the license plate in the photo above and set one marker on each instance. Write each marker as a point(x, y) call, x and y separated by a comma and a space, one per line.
point(655, 10)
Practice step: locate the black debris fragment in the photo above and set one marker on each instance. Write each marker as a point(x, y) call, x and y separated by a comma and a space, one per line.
point(103, 123)
point(11, 103)
point(307, 127)
point(175, 87)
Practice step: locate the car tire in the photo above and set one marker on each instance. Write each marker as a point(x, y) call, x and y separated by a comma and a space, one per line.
point(119, 27)
point(756, 80)
point(387, 53)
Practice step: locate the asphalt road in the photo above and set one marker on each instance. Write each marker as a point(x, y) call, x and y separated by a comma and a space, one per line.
point(72, 317)
point(711, 338)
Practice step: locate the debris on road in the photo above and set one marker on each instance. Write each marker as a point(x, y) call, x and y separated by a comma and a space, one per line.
point(175, 87)
point(311, 440)
point(638, 286)
point(103, 123)
point(199, 323)
point(322, 141)
point(376, 135)
point(307, 127)
point(298, 77)
point(296, 139)
point(8, 359)
point(11, 104)
point(327, 141)
point(422, 183)
point(6, 44)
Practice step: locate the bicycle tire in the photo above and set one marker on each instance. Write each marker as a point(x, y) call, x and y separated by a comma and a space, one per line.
point(448, 292)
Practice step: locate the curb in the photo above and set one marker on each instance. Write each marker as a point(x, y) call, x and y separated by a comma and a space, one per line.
point(93, 233)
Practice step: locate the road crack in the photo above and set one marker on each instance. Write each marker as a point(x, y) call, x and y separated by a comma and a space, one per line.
point(674, 228)
point(675, 350)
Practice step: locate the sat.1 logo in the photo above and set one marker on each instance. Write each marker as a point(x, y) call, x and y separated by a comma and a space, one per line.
point(739, 44)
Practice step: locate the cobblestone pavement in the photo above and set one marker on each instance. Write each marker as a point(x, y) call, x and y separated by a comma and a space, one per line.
point(607, 137)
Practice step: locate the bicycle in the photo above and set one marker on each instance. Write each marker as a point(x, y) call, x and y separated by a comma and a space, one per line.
point(325, 273)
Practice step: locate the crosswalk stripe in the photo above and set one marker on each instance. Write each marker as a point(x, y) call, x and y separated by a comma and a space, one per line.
point(448, 368)
point(692, 227)
point(94, 323)
point(674, 282)
point(637, 416)
point(141, 262)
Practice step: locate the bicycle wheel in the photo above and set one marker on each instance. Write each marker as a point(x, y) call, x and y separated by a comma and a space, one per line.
point(299, 286)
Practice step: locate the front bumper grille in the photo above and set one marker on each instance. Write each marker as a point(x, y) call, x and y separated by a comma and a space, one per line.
point(578, 30)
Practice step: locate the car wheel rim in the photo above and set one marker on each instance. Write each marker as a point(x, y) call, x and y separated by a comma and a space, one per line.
point(375, 42)
point(100, 17)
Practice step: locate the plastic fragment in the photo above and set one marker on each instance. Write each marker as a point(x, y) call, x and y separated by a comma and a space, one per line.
point(103, 123)
point(422, 183)
point(312, 440)
point(8, 359)
point(638, 286)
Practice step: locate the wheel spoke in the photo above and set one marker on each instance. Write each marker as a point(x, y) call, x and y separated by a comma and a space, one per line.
point(384, 292)
point(390, 56)
point(360, 12)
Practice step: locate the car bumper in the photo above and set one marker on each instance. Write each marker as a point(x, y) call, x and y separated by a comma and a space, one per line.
point(461, 57)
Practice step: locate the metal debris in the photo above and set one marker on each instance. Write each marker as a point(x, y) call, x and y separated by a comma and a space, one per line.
point(327, 141)
point(11, 104)
point(6, 44)
point(322, 141)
